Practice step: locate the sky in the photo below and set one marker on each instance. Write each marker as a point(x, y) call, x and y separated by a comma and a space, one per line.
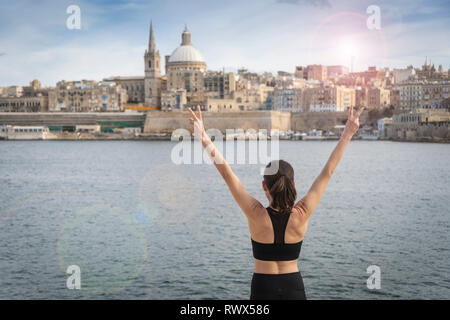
point(260, 35)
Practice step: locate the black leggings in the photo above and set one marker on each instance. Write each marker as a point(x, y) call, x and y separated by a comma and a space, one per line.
point(286, 286)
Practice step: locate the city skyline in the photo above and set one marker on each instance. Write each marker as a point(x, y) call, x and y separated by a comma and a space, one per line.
point(254, 35)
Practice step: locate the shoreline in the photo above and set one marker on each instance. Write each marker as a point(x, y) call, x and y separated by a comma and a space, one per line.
point(167, 137)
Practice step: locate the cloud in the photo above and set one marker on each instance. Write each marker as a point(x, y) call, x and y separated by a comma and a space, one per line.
point(2, 54)
point(315, 3)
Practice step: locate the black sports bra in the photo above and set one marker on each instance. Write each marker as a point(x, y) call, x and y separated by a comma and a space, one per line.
point(277, 251)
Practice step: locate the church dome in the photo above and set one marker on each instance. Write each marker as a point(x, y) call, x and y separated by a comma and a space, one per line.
point(186, 52)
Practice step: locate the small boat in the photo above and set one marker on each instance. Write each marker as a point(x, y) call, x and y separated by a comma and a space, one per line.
point(298, 136)
point(369, 136)
point(314, 135)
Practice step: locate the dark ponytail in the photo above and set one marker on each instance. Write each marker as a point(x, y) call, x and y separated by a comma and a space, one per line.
point(281, 185)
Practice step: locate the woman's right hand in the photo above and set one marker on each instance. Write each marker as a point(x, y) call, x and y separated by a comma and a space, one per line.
point(197, 125)
point(352, 125)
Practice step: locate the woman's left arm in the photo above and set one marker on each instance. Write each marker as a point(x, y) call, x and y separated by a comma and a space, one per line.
point(249, 205)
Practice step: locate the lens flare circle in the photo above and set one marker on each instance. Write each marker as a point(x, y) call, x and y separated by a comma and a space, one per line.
point(108, 246)
point(169, 194)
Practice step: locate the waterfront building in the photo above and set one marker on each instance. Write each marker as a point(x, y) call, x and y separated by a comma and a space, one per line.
point(289, 82)
point(378, 98)
point(174, 99)
point(85, 128)
point(219, 85)
point(288, 99)
point(434, 92)
point(410, 94)
point(326, 107)
point(133, 85)
point(30, 98)
point(382, 125)
point(14, 91)
point(9, 132)
point(128, 130)
point(87, 96)
point(225, 105)
point(326, 96)
point(38, 103)
point(420, 123)
point(361, 96)
point(395, 97)
point(423, 93)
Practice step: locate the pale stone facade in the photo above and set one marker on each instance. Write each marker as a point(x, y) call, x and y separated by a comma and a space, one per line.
point(339, 96)
point(134, 87)
point(312, 72)
point(289, 99)
point(423, 94)
point(173, 99)
point(219, 85)
point(378, 98)
point(87, 96)
point(30, 98)
point(433, 93)
point(24, 104)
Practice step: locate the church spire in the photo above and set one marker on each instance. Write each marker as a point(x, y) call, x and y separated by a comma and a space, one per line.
point(151, 41)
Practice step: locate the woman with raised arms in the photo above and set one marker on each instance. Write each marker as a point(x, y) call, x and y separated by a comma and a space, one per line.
point(277, 231)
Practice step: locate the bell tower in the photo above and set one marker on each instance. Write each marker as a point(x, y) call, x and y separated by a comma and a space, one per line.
point(152, 79)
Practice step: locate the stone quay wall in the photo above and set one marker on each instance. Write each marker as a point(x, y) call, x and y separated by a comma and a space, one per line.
point(169, 121)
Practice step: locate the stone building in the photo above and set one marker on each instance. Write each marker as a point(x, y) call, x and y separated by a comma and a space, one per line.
point(423, 93)
point(361, 96)
point(312, 72)
point(173, 99)
point(87, 96)
point(219, 85)
point(14, 91)
point(401, 75)
point(420, 123)
point(336, 71)
point(38, 103)
point(30, 98)
point(378, 98)
point(434, 92)
point(288, 99)
point(395, 97)
point(326, 96)
point(133, 85)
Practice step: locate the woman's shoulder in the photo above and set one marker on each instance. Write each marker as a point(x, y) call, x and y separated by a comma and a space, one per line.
point(298, 215)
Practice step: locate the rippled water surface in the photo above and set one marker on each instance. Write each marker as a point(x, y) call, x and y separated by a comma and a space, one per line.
point(140, 227)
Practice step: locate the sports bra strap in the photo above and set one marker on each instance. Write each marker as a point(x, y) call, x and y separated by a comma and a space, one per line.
point(279, 223)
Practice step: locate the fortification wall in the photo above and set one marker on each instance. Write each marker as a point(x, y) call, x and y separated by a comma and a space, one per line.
point(170, 121)
point(307, 121)
point(67, 118)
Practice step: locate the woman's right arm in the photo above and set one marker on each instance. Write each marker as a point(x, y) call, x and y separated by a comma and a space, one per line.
point(309, 202)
